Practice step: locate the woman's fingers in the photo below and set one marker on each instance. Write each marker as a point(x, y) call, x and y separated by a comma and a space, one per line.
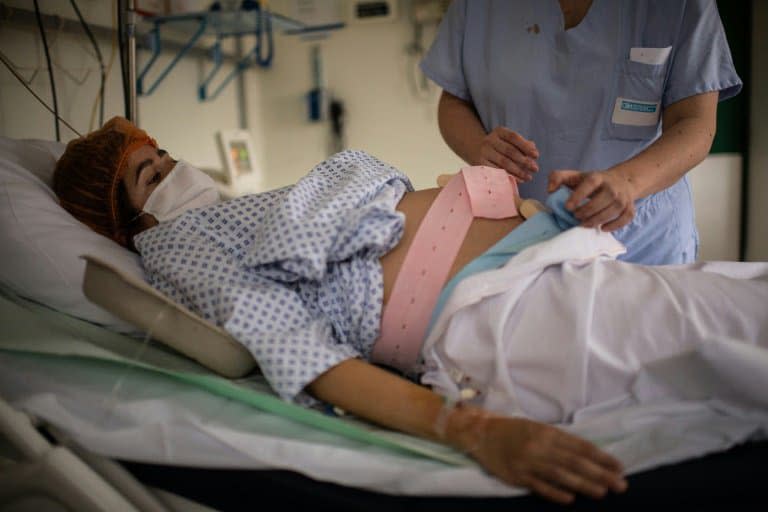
point(590, 462)
point(527, 147)
point(594, 478)
point(508, 150)
point(586, 187)
point(546, 490)
point(621, 221)
point(610, 201)
point(547, 460)
point(600, 212)
point(591, 452)
point(500, 162)
point(566, 177)
point(512, 153)
point(573, 481)
point(576, 465)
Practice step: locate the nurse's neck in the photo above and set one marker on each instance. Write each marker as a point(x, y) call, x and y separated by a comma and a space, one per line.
point(574, 11)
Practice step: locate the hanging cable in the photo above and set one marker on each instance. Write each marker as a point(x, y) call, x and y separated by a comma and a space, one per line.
point(121, 43)
point(20, 78)
point(88, 32)
point(50, 70)
point(110, 63)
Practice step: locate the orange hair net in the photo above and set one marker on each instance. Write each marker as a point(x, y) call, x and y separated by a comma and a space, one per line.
point(88, 178)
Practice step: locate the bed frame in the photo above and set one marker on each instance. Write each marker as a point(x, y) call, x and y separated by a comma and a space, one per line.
point(731, 480)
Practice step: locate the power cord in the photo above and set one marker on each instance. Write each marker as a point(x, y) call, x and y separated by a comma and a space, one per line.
point(20, 78)
point(50, 70)
point(121, 42)
point(88, 32)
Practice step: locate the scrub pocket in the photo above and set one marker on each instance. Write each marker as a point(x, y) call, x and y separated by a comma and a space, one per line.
point(634, 111)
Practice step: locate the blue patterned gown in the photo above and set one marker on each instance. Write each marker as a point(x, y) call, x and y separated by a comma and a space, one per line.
point(293, 273)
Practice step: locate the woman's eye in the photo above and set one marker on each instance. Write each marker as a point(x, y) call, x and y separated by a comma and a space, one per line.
point(155, 178)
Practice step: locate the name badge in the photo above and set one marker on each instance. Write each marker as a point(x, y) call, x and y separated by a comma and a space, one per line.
point(636, 112)
point(652, 56)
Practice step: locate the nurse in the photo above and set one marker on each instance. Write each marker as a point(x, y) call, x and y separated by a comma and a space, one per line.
point(616, 99)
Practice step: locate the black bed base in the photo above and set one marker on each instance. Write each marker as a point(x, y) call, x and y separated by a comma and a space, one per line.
point(733, 480)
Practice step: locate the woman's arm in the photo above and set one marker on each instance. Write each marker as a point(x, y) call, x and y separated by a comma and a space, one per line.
point(686, 138)
point(521, 452)
point(465, 135)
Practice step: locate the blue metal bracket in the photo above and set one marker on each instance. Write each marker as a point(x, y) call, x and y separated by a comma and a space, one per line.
point(155, 43)
point(252, 19)
point(217, 58)
point(258, 55)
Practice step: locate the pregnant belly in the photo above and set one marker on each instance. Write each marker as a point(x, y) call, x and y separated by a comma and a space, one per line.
point(482, 234)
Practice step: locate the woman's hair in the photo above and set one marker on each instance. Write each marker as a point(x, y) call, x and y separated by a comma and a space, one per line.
point(88, 179)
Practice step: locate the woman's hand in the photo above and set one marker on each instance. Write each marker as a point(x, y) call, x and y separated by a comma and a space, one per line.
point(508, 150)
point(600, 198)
point(540, 457)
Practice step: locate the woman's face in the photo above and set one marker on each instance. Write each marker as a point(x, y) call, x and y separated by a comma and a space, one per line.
point(146, 168)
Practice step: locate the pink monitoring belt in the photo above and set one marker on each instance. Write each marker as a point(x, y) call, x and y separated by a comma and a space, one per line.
point(476, 191)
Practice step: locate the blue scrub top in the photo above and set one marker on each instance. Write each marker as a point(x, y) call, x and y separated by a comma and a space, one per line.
point(592, 96)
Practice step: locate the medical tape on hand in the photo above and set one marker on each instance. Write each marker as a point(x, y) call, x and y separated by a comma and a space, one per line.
point(476, 191)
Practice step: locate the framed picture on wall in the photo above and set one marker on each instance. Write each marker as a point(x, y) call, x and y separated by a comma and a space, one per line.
point(239, 161)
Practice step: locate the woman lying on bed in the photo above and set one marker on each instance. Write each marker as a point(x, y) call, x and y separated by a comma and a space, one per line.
point(300, 276)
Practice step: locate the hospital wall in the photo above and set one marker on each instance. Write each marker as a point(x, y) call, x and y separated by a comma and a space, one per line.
point(757, 206)
point(367, 68)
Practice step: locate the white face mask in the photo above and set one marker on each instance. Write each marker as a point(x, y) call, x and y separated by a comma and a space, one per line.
point(185, 188)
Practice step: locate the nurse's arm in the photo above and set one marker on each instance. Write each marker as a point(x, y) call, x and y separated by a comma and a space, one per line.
point(540, 457)
point(688, 129)
point(465, 134)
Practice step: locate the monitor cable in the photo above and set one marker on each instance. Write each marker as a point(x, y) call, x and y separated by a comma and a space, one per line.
point(50, 70)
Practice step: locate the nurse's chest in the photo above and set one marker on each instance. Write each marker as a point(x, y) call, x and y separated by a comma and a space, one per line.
point(532, 60)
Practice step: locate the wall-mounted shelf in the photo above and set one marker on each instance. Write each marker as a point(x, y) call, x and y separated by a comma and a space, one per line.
point(221, 25)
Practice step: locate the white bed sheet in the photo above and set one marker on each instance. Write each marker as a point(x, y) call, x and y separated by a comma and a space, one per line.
point(68, 374)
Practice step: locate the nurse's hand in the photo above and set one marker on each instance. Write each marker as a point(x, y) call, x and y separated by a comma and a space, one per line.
point(508, 150)
point(600, 198)
point(548, 461)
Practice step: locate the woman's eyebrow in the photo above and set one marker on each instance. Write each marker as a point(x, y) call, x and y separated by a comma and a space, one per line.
point(141, 166)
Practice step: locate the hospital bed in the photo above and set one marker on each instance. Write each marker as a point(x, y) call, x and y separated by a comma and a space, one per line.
point(146, 423)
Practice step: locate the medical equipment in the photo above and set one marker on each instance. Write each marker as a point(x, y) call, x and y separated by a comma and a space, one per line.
point(240, 163)
point(372, 11)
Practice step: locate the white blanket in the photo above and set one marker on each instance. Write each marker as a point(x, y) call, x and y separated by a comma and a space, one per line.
point(565, 334)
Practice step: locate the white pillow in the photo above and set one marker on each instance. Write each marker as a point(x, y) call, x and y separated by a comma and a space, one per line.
point(41, 244)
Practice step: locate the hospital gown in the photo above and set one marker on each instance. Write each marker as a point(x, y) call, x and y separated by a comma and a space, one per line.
point(294, 273)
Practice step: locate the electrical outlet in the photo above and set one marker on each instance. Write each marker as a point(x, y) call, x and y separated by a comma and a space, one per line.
point(369, 11)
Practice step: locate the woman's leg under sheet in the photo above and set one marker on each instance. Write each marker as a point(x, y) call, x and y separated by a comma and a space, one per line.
point(643, 314)
point(581, 334)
